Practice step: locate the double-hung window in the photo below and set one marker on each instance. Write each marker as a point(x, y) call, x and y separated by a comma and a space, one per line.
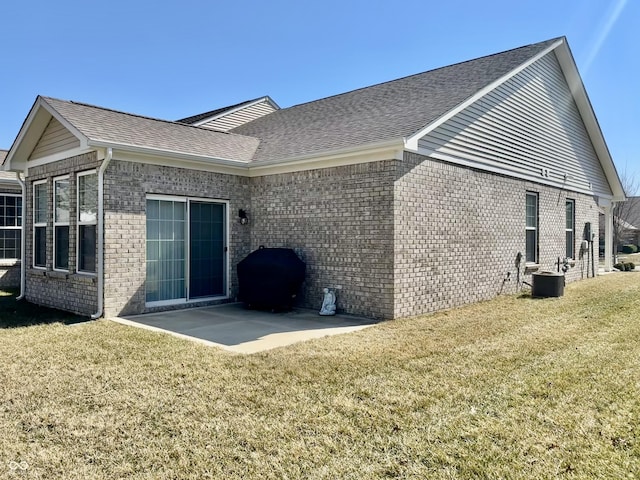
point(10, 226)
point(531, 229)
point(40, 224)
point(570, 221)
point(87, 220)
point(61, 189)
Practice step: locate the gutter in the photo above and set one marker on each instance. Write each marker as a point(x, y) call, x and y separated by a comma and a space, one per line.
point(23, 240)
point(100, 234)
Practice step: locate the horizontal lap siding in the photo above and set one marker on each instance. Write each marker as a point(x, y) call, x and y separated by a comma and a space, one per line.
point(55, 139)
point(527, 124)
point(235, 119)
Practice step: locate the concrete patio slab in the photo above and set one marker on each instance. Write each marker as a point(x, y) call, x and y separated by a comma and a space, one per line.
point(235, 328)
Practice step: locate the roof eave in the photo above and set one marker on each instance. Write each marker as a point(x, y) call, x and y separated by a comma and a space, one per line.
point(136, 149)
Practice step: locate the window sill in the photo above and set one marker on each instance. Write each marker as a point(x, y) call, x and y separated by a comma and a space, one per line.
point(87, 278)
point(531, 267)
point(56, 274)
point(9, 262)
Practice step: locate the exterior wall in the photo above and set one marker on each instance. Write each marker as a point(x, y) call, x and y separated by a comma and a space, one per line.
point(458, 231)
point(9, 269)
point(70, 291)
point(55, 139)
point(340, 223)
point(239, 117)
point(126, 186)
point(530, 125)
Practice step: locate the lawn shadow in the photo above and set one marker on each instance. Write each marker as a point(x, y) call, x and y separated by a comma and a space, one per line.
point(14, 313)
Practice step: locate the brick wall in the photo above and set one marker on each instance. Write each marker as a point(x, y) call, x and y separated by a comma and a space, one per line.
point(339, 221)
point(126, 187)
point(70, 291)
point(458, 230)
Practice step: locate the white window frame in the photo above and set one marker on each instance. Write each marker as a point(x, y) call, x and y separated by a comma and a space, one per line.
point(80, 223)
point(227, 237)
point(39, 225)
point(534, 229)
point(60, 224)
point(573, 227)
point(19, 227)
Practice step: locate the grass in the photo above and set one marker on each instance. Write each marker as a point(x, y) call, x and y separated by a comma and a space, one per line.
point(23, 314)
point(514, 388)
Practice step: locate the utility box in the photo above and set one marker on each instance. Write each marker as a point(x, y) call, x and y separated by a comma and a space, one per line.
point(547, 284)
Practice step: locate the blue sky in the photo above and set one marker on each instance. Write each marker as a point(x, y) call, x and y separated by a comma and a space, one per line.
point(172, 59)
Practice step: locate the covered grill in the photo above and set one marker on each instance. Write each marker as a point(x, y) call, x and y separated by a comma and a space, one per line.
point(270, 278)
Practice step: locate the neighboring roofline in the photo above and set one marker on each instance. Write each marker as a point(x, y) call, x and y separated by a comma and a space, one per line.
point(221, 112)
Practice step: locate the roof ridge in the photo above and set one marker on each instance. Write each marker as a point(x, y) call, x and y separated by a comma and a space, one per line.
point(171, 122)
point(549, 41)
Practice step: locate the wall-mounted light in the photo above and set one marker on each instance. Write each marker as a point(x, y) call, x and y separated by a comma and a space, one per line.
point(242, 217)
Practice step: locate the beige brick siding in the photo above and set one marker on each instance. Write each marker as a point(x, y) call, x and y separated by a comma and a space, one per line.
point(339, 221)
point(458, 230)
point(126, 186)
point(67, 291)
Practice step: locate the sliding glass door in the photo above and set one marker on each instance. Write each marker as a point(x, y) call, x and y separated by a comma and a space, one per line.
point(186, 254)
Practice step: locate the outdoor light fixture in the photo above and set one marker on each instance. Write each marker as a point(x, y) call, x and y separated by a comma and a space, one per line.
point(242, 216)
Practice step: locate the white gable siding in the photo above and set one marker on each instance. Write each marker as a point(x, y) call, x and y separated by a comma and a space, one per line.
point(239, 117)
point(529, 127)
point(54, 139)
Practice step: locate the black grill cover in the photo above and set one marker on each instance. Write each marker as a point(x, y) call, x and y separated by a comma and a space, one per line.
point(270, 278)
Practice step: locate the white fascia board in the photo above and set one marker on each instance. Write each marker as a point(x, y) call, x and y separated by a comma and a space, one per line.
point(66, 124)
point(188, 162)
point(158, 152)
point(580, 96)
point(374, 152)
point(237, 109)
point(412, 142)
point(73, 152)
point(501, 169)
point(34, 125)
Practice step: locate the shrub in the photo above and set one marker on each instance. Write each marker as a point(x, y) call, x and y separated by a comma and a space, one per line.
point(625, 267)
point(629, 248)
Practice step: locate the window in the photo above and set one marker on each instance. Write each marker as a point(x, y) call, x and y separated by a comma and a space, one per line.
point(570, 227)
point(87, 220)
point(61, 188)
point(186, 249)
point(532, 228)
point(40, 224)
point(10, 226)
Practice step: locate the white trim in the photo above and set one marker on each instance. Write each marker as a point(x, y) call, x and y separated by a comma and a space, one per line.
point(535, 229)
point(502, 169)
point(3, 261)
point(56, 223)
point(573, 226)
point(80, 223)
point(412, 141)
point(38, 224)
point(98, 143)
point(226, 236)
point(58, 156)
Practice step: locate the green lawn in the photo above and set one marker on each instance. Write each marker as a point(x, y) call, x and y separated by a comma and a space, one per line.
point(514, 388)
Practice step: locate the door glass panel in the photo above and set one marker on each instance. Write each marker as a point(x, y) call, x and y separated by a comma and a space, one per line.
point(165, 250)
point(207, 257)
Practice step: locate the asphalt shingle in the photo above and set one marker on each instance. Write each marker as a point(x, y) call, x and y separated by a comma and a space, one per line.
point(394, 109)
point(110, 126)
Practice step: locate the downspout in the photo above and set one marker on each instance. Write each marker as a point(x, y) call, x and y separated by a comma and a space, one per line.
point(100, 234)
point(23, 240)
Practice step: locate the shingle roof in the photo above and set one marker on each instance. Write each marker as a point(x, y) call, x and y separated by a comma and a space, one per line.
point(110, 126)
point(394, 109)
point(5, 175)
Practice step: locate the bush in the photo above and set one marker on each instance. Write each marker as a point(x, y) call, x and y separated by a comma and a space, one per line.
point(629, 249)
point(625, 267)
